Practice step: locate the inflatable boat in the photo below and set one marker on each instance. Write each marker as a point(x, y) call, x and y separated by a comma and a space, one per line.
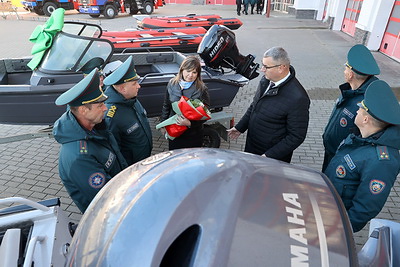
point(191, 20)
point(185, 40)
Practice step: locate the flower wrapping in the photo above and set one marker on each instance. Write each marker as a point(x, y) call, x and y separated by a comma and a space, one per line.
point(192, 109)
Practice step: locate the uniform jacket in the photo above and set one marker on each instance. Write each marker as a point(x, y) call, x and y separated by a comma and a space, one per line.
point(341, 121)
point(276, 122)
point(363, 171)
point(87, 160)
point(127, 120)
point(193, 136)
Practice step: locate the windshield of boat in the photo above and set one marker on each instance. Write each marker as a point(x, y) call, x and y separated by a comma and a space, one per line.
point(82, 29)
point(70, 52)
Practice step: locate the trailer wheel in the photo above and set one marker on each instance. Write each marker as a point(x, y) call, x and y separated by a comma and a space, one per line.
point(94, 15)
point(49, 8)
point(133, 11)
point(148, 8)
point(110, 12)
point(211, 137)
point(38, 11)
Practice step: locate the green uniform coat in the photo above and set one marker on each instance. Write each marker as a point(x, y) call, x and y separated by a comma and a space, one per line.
point(341, 121)
point(363, 172)
point(88, 159)
point(127, 120)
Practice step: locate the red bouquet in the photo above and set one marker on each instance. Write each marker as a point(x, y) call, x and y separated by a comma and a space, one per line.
point(191, 109)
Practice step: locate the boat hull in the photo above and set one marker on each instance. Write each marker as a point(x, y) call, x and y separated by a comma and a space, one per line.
point(205, 21)
point(34, 104)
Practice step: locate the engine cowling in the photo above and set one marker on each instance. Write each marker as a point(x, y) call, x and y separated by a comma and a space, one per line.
point(218, 49)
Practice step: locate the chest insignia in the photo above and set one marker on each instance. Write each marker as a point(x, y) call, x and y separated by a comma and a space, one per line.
point(383, 154)
point(340, 171)
point(110, 160)
point(132, 128)
point(97, 180)
point(348, 113)
point(349, 162)
point(376, 186)
point(343, 122)
point(111, 111)
point(83, 147)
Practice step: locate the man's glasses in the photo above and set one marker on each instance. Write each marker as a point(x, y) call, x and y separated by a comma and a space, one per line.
point(266, 67)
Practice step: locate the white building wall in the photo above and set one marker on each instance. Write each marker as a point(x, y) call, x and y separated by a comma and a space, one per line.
point(374, 17)
point(338, 10)
point(306, 4)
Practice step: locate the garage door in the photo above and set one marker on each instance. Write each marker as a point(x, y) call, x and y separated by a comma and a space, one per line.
point(391, 40)
point(351, 16)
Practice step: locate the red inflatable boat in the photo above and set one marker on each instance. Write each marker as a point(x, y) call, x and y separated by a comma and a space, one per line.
point(184, 40)
point(191, 20)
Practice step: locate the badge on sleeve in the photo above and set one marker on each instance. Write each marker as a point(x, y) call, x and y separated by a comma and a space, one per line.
point(376, 186)
point(97, 180)
point(340, 171)
point(343, 122)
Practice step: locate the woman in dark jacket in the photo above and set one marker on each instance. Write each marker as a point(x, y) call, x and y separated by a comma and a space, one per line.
point(187, 83)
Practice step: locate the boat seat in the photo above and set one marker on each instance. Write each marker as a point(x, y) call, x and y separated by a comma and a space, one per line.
point(9, 248)
point(3, 78)
point(3, 73)
point(146, 35)
point(179, 33)
point(166, 68)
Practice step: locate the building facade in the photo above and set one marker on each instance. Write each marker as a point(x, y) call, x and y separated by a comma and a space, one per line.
point(374, 23)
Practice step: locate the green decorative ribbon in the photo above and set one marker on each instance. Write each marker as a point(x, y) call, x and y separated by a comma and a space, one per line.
point(43, 36)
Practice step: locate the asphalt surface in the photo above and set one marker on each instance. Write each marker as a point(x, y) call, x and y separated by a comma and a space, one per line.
point(29, 168)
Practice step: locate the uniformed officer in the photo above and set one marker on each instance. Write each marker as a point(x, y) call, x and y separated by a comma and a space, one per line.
point(89, 155)
point(126, 117)
point(359, 72)
point(365, 166)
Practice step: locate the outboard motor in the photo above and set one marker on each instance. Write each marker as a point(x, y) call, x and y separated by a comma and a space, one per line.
point(218, 49)
point(214, 207)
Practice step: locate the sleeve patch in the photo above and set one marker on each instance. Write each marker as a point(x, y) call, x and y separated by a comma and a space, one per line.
point(97, 180)
point(382, 152)
point(111, 111)
point(376, 186)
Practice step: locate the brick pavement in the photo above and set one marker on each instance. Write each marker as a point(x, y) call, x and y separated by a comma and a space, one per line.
point(29, 168)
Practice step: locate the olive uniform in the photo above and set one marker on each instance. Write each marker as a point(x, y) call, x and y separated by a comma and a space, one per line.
point(341, 121)
point(88, 159)
point(364, 170)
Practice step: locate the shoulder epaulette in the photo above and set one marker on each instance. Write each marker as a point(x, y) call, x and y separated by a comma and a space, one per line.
point(111, 111)
point(382, 152)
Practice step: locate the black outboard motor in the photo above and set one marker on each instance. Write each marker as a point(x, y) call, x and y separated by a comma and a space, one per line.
point(218, 49)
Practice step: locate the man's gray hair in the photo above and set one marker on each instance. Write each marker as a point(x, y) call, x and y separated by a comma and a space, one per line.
point(278, 54)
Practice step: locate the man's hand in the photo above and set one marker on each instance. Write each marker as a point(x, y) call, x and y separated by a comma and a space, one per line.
point(233, 133)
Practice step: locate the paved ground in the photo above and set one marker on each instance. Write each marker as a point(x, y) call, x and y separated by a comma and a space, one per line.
point(29, 168)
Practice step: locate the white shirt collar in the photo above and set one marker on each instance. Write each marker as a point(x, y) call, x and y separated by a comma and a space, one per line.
point(282, 80)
